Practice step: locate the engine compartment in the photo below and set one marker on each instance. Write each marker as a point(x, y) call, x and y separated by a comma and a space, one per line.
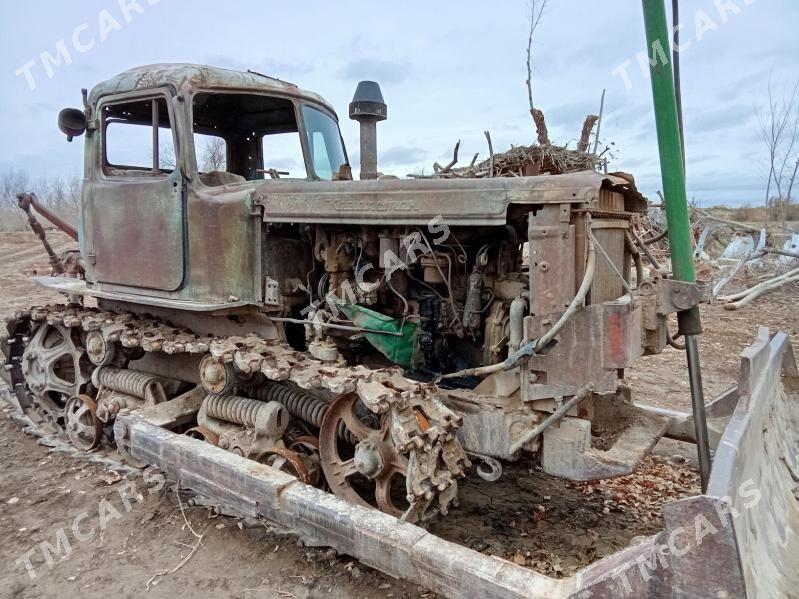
point(454, 288)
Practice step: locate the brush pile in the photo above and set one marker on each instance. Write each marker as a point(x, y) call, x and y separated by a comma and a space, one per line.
point(522, 161)
point(519, 161)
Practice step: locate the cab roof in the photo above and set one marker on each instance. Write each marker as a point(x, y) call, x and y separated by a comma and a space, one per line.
point(188, 78)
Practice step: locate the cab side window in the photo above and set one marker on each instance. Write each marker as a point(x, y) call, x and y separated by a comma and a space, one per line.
point(242, 137)
point(137, 138)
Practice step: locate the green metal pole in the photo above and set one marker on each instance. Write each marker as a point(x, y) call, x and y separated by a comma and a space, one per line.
point(679, 225)
point(668, 132)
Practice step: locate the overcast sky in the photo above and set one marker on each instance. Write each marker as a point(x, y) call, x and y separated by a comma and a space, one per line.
point(449, 71)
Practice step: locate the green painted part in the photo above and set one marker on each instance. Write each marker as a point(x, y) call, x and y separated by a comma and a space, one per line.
point(668, 132)
point(400, 350)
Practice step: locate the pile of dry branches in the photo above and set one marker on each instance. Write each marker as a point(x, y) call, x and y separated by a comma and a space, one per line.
point(519, 161)
point(535, 159)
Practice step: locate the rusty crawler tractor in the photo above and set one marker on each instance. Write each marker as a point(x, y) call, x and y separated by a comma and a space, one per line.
point(256, 311)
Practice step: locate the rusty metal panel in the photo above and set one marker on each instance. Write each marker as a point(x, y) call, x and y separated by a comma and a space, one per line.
point(134, 230)
point(551, 239)
point(756, 468)
point(596, 342)
point(610, 201)
point(607, 285)
point(187, 78)
point(401, 201)
point(702, 565)
point(224, 240)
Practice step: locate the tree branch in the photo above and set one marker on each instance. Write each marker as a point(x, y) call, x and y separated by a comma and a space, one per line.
point(536, 11)
point(585, 136)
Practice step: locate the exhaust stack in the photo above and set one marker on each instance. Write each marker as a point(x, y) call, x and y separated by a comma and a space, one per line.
point(368, 107)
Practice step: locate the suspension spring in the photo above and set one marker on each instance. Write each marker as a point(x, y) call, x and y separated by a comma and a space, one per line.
point(302, 405)
point(131, 382)
point(232, 408)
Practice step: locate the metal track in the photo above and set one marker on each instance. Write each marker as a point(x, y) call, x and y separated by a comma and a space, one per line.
point(424, 430)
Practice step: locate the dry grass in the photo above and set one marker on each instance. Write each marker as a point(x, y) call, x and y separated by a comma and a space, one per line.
point(758, 214)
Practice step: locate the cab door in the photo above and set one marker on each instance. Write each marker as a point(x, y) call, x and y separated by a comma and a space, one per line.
point(133, 206)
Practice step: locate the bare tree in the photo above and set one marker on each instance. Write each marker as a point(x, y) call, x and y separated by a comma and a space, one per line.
point(536, 12)
point(12, 183)
point(59, 194)
point(779, 128)
point(74, 186)
point(213, 155)
point(166, 156)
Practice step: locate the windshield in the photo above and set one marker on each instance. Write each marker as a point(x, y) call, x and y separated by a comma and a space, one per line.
point(324, 142)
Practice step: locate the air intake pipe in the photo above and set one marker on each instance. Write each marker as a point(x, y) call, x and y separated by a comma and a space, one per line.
point(368, 108)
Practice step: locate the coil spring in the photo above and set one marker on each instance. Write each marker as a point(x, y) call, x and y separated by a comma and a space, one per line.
point(232, 408)
point(302, 405)
point(126, 381)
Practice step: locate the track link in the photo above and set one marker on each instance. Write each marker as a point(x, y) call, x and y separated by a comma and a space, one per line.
point(421, 426)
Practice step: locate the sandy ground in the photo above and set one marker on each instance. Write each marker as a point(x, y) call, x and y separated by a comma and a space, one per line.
point(549, 525)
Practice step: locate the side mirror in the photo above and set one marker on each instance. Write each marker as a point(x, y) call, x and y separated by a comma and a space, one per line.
point(72, 122)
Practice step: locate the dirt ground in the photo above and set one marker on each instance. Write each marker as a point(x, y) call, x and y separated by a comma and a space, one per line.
point(552, 526)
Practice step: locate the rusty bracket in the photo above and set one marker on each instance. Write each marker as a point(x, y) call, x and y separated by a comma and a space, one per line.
point(26, 201)
point(29, 200)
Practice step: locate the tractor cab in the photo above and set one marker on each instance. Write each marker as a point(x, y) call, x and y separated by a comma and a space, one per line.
point(165, 146)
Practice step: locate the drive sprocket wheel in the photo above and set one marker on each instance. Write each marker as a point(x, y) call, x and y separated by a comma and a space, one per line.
point(84, 428)
point(362, 474)
point(55, 367)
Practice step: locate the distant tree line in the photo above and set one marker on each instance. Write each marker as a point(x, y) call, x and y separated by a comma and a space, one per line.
point(59, 194)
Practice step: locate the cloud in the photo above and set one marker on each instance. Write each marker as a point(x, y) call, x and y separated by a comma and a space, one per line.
point(726, 117)
point(41, 108)
point(284, 164)
point(375, 69)
point(701, 158)
point(401, 155)
point(571, 115)
point(754, 81)
point(636, 164)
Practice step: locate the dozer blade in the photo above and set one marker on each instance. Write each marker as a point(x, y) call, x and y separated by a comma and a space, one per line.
point(737, 540)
